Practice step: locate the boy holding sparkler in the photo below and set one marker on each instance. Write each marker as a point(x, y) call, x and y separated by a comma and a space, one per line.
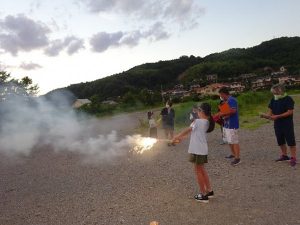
point(198, 149)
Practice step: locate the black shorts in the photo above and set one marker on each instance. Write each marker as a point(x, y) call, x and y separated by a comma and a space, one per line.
point(285, 135)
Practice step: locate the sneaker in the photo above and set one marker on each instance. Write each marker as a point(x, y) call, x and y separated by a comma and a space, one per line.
point(223, 143)
point(235, 162)
point(210, 194)
point(282, 158)
point(201, 198)
point(293, 162)
point(229, 157)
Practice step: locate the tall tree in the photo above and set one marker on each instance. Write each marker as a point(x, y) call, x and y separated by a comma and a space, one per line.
point(11, 87)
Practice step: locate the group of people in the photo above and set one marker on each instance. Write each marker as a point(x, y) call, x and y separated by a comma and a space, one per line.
point(167, 119)
point(281, 109)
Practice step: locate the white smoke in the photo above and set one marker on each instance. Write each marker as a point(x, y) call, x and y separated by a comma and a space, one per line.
point(26, 123)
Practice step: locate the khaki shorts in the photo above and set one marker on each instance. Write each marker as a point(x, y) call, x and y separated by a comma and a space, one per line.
point(198, 159)
point(231, 136)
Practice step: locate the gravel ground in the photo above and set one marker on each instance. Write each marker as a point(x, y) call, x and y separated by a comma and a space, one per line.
point(58, 188)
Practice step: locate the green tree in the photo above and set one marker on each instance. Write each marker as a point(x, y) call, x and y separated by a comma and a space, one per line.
point(10, 87)
point(129, 99)
point(146, 97)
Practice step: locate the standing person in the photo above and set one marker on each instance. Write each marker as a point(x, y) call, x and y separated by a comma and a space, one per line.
point(168, 115)
point(219, 120)
point(194, 113)
point(231, 125)
point(281, 108)
point(198, 149)
point(152, 125)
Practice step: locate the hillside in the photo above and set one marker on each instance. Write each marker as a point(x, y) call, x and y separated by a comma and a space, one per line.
point(231, 63)
point(234, 62)
point(150, 75)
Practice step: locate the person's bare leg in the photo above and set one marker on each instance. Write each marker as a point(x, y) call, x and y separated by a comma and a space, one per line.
point(236, 149)
point(206, 180)
point(166, 134)
point(232, 149)
point(283, 149)
point(293, 151)
point(171, 134)
point(200, 179)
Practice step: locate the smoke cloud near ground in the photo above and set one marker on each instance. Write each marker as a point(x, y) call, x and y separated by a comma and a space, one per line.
point(28, 123)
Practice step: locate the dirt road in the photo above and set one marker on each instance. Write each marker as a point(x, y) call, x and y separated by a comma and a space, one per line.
point(47, 187)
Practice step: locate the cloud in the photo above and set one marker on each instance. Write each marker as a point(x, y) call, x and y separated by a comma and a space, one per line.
point(20, 33)
point(3, 67)
point(74, 45)
point(131, 39)
point(183, 12)
point(30, 66)
point(157, 32)
point(71, 43)
point(97, 6)
point(153, 15)
point(35, 5)
point(102, 41)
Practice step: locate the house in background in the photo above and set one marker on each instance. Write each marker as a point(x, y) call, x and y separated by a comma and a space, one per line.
point(236, 87)
point(109, 102)
point(212, 89)
point(261, 83)
point(289, 80)
point(212, 77)
point(80, 102)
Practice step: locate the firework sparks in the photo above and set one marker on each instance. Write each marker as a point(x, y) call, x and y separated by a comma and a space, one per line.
point(143, 144)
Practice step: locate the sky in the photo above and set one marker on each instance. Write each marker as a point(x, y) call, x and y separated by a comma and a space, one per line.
point(58, 43)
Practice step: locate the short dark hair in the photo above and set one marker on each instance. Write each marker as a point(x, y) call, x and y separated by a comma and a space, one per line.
point(169, 103)
point(224, 90)
point(149, 114)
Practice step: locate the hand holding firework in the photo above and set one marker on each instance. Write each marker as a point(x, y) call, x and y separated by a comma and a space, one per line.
point(174, 142)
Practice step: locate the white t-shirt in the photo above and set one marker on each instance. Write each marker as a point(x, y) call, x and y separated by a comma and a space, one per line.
point(198, 142)
point(152, 123)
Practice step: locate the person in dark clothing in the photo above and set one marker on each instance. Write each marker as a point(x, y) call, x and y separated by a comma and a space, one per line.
point(219, 120)
point(281, 108)
point(167, 117)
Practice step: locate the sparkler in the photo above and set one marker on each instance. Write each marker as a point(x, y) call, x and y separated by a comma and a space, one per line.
point(143, 144)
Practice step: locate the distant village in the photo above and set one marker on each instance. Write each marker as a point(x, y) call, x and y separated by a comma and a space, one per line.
point(236, 85)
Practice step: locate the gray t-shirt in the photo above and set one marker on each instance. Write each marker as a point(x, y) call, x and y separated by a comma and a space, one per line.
point(198, 142)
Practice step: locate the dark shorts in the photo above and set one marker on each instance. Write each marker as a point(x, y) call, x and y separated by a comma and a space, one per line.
point(168, 127)
point(153, 132)
point(198, 159)
point(285, 135)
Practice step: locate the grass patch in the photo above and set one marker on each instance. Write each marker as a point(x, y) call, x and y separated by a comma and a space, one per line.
point(250, 105)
